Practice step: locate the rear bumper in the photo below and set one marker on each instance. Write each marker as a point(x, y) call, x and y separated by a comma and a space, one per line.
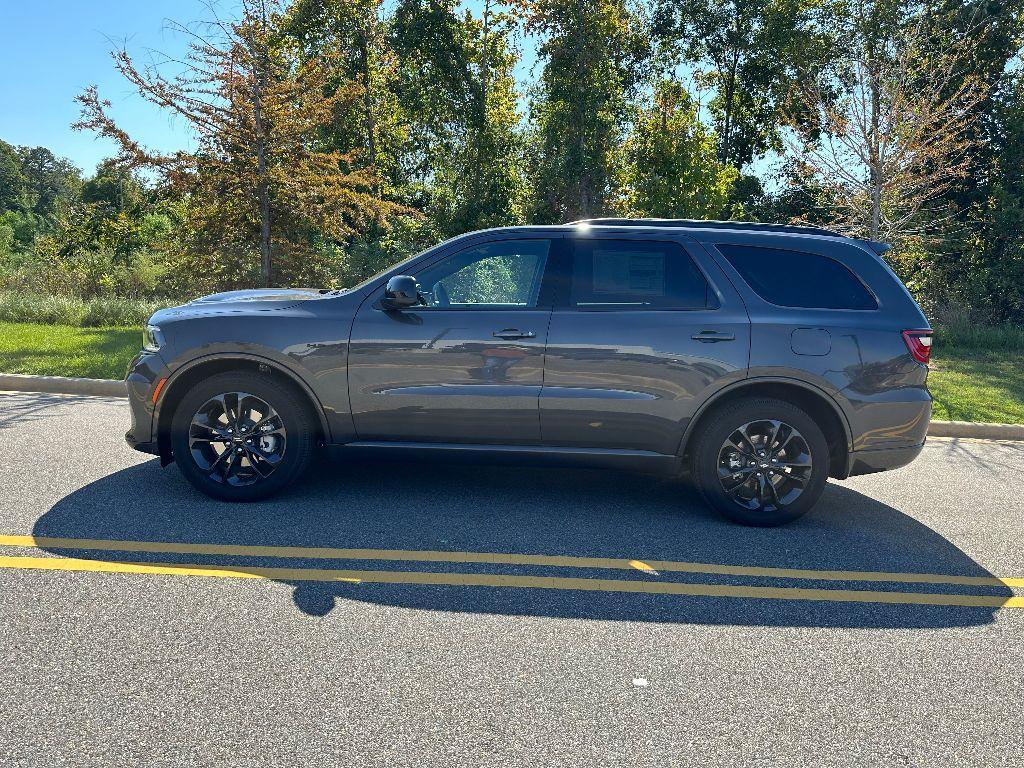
point(144, 372)
point(881, 459)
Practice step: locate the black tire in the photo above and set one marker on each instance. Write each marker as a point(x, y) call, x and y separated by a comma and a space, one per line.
point(782, 488)
point(290, 438)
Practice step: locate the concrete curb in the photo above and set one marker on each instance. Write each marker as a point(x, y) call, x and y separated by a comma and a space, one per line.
point(977, 430)
point(61, 385)
point(107, 388)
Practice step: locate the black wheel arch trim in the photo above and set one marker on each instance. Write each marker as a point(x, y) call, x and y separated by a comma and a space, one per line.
point(275, 365)
point(729, 389)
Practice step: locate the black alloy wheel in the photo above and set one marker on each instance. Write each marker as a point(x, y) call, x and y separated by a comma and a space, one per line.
point(237, 438)
point(764, 465)
point(242, 435)
point(760, 462)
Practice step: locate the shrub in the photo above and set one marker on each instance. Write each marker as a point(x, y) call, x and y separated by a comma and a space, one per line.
point(958, 327)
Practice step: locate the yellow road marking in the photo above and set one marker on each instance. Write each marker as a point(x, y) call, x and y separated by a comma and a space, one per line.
point(500, 580)
point(491, 558)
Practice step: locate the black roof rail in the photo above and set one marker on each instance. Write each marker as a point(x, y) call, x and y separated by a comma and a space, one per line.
point(701, 224)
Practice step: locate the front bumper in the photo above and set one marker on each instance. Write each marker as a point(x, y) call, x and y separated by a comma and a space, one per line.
point(144, 374)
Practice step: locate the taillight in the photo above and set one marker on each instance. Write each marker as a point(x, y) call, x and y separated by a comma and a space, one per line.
point(919, 343)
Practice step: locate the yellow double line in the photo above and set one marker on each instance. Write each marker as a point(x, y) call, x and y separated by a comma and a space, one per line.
point(652, 567)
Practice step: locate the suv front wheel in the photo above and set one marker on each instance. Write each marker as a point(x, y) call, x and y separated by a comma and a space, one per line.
point(760, 462)
point(242, 436)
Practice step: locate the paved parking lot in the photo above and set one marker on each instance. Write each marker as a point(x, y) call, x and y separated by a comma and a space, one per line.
point(413, 614)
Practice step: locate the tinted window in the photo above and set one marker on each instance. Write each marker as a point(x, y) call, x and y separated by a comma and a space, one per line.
point(798, 279)
point(502, 274)
point(635, 274)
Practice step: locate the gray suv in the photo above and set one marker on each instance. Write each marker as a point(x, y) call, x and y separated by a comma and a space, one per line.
point(763, 359)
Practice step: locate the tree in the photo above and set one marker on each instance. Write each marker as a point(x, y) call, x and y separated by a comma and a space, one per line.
point(995, 255)
point(258, 182)
point(749, 52)
point(369, 126)
point(669, 163)
point(898, 135)
point(12, 180)
point(458, 88)
point(51, 183)
point(593, 53)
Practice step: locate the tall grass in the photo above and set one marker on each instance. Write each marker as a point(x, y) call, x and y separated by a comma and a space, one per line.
point(957, 329)
point(84, 313)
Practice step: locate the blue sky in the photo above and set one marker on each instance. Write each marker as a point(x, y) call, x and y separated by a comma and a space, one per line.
point(53, 49)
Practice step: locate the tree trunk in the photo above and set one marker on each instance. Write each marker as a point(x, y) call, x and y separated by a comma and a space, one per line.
point(369, 118)
point(725, 148)
point(482, 125)
point(875, 155)
point(262, 188)
point(262, 181)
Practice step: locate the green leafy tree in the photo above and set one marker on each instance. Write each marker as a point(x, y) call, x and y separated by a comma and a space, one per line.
point(669, 163)
point(52, 183)
point(593, 53)
point(749, 52)
point(992, 282)
point(12, 180)
point(368, 126)
point(458, 87)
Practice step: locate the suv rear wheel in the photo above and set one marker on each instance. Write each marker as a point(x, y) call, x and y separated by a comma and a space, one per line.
point(760, 462)
point(242, 436)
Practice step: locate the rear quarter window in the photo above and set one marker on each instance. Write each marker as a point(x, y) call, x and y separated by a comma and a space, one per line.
point(798, 278)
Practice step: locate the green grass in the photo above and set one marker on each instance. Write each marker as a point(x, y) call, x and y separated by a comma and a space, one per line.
point(57, 350)
point(969, 383)
point(977, 371)
point(977, 385)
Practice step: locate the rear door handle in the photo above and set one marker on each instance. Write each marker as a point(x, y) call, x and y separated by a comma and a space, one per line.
point(711, 336)
point(513, 333)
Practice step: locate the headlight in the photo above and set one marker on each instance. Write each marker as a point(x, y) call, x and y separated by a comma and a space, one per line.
point(152, 338)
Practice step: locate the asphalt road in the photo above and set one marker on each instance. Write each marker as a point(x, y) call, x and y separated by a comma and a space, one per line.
point(161, 650)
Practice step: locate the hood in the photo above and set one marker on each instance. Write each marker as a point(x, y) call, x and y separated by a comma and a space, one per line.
point(257, 300)
point(266, 298)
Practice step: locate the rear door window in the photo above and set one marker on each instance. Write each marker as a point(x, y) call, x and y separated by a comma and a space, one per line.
point(635, 274)
point(798, 279)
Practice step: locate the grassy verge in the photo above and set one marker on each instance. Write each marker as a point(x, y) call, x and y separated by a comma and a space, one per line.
point(56, 350)
point(968, 383)
point(977, 385)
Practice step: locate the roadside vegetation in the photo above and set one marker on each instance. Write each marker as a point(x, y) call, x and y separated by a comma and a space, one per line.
point(98, 312)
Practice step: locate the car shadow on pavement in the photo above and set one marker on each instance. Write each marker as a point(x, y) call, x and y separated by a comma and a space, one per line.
point(529, 510)
point(19, 407)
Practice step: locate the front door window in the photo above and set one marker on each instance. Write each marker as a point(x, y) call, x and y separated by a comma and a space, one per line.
point(505, 275)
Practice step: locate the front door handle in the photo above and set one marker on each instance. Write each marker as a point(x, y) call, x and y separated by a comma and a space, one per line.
point(513, 333)
point(711, 336)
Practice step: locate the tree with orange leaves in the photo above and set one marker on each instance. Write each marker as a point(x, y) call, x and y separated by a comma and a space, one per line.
point(265, 202)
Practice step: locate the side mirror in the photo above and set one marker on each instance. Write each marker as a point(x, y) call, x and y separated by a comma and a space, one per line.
point(401, 293)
